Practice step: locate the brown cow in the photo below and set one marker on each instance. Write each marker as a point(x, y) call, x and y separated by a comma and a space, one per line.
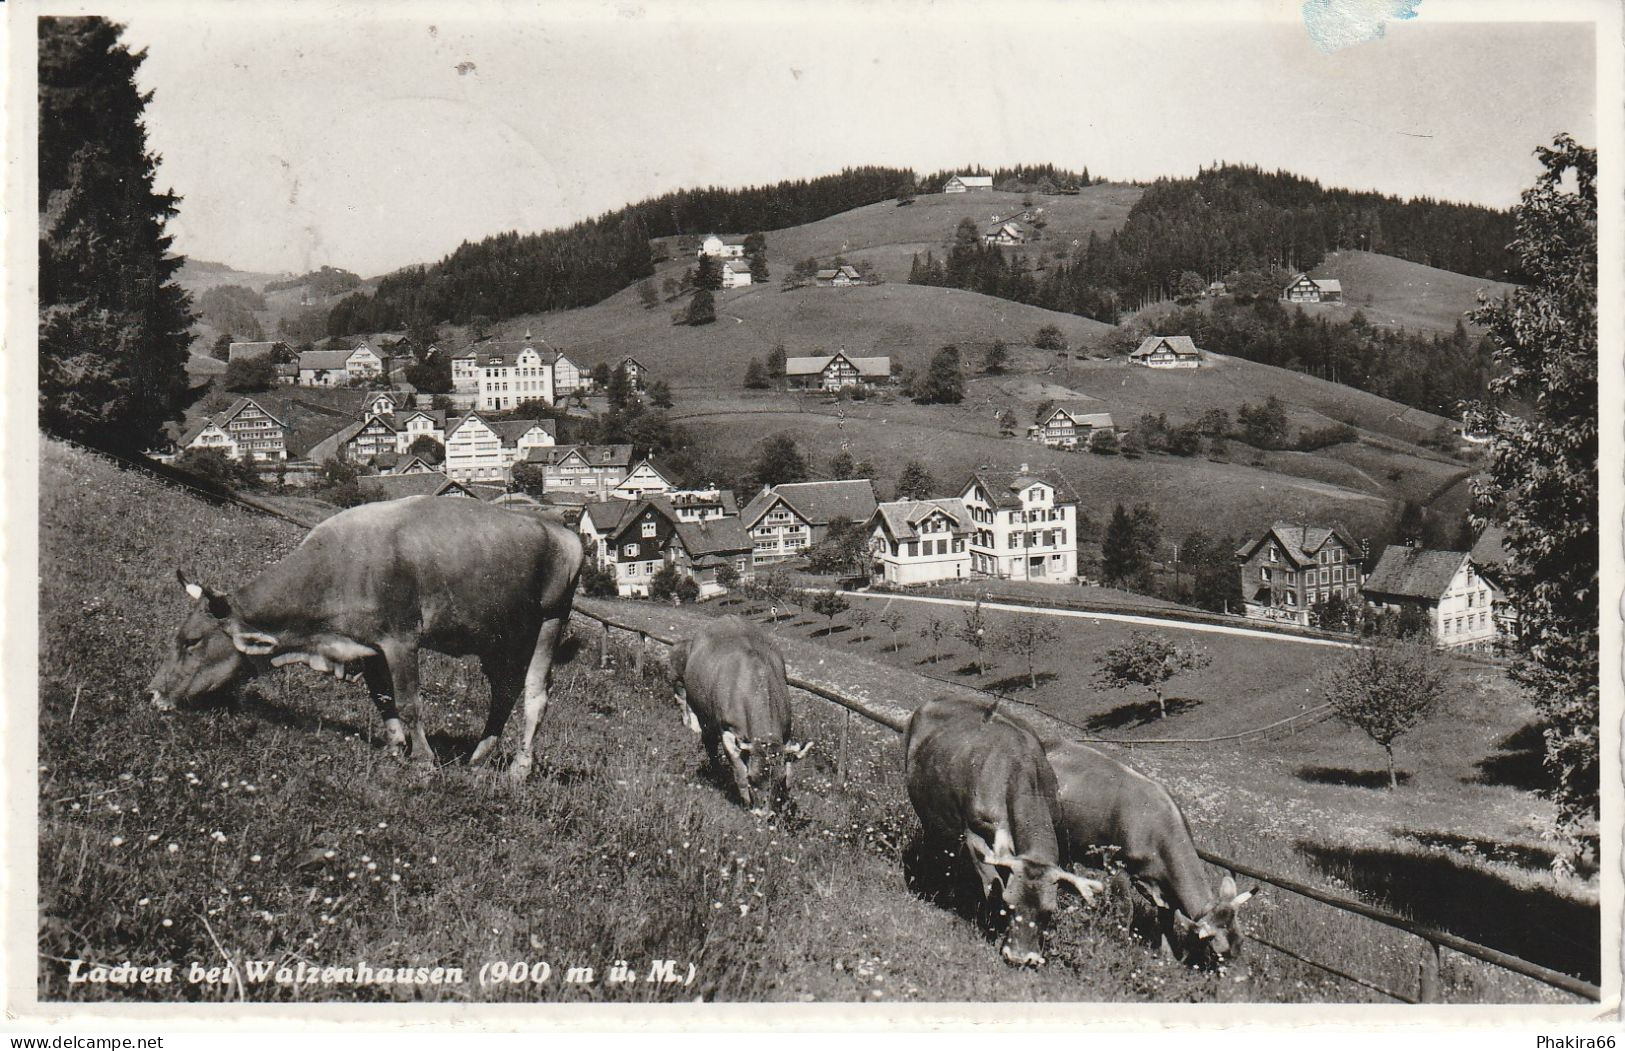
point(372, 585)
point(978, 777)
point(729, 678)
point(1104, 803)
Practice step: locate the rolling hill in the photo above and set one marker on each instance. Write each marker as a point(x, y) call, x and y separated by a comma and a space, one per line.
point(1394, 292)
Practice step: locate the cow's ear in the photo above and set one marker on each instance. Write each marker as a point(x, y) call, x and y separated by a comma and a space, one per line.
point(1227, 888)
point(253, 643)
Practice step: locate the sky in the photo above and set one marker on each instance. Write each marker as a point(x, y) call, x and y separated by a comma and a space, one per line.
point(375, 136)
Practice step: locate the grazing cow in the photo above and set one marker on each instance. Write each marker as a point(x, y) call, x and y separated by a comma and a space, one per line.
point(1106, 804)
point(978, 777)
point(729, 678)
point(371, 585)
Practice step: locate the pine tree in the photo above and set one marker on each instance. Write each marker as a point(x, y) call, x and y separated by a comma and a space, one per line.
point(943, 383)
point(755, 375)
point(113, 324)
point(702, 308)
point(915, 483)
point(779, 462)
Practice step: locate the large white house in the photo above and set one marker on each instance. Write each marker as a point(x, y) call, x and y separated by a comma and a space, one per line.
point(1024, 525)
point(478, 451)
point(920, 541)
point(336, 368)
point(716, 247)
point(1460, 604)
point(504, 373)
point(735, 273)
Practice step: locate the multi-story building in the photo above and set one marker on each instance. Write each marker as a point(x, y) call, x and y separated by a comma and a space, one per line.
point(717, 248)
point(359, 442)
point(1489, 555)
point(702, 505)
point(338, 368)
point(636, 548)
point(785, 520)
point(644, 479)
point(1070, 427)
point(1459, 602)
point(1167, 352)
point(245, 430)
point(418, 423)
point(920, 541)
point(481, 451)
point(1024, 525)
point(1290, 569)
point(702, 551)
point(586, 472)
point(502, 374)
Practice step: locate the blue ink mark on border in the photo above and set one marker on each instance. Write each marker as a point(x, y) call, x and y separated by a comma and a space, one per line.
point(1336, 24)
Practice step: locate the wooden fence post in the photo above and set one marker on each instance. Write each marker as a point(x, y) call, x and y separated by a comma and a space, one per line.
point(846, 733)
point(1427, 977)
point(603, 646)
point(637, 659)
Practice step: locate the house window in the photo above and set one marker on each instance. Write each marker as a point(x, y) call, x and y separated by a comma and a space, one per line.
point(1273, 557)
point(1337, 574)
point(648, 529)
point(1264, 574)
point(1325, 576)
point(631, 551)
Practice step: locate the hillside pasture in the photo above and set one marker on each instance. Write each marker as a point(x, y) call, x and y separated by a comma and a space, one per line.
point(1397, 293)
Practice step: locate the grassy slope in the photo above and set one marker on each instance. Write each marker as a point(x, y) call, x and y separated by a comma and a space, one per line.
point(889, 236)
point(1396, 292)
point(617, 815)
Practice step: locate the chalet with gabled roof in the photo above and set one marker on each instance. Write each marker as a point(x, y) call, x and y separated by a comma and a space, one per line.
point(920, 541)
point(1071, 425)
point(582, 472)
point(785, 520)
point(1290, 569)
point(836, 372)
point(1024, 524)
point(1306, 289)
point(1167, 352)
point(244, 430)
point(701, 551)
point(967, 183)
point(481, 450)
point(839, 277)
point(1458, 601)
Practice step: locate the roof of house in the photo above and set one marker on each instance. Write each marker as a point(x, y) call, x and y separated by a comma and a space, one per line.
point(191, 433)
point(595, 455)
point(998, 226)
point(714, 537)
point(974, 180)
point(437, 415)
point(510, 431)
point(608, 516)
point(324, 359)
point(328, 447)
point(818, 502)
point(738, 266)
point(1300, 542)
point(880, 366)
point(902, 516)
point(1180, 345)
point(666, 473)
point(1491, 547)
point(724, 499)
point(506, 351)
point(395, 486)
point(1076, 411)
point(402, 463)
point(246, 351)
point(1325, 284)
point(849, 272)
point(1004, 486)
point(1413, 572)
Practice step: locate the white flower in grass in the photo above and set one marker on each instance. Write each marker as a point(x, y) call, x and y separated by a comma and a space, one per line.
point(117, 841)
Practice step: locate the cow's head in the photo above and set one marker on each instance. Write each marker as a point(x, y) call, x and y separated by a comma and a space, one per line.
point(209, 652)
point(1215, 934)
point(1030, 888)
point(765, 786)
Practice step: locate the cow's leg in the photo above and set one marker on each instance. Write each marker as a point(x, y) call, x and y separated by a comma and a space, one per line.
point(537, 677)
point(376, 672)
point(506, 681)
point(403, 673)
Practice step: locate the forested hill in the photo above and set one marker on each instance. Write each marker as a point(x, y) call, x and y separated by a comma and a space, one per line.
point(1231, 219)
point(514, 273)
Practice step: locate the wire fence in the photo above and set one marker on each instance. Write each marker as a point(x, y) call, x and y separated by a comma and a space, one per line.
point(1434, 941)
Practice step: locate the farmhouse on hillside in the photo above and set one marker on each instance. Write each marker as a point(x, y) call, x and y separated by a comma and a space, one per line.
point(1306, 289)
point(919, 542)
point(835, 372)
point(966, 183)
point(717, 248)
point(1004, 232)
point(1292, 568)
point(582, 472)
point(245, 430)
point(338, 368)
point(735, 273)
point(1167, 352)
point(635, 371)
point(839, 277)
point(1024, 525)
point(1068, 426)
point(785, 520)
point(1458, 601)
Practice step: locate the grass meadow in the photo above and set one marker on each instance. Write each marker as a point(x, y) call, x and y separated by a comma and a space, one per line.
point(274, 828)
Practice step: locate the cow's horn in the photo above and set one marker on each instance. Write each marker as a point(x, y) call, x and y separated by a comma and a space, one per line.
point(1086, 888)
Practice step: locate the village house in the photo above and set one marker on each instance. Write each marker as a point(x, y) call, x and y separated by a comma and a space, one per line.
point(702, 505)
point(1292, 568)
point(568, 377)
point(785, 520)
point(288, 373)
point(645, 478)
point(1167, 352)
point(1306, 289)
point(635, 549)
point(339, 368)
point(967, 183)
point(919, 542)
point(585, 472)
point(417, 423)
point(701, 550)
point(717, 248)
point(502, 374)
point(1004, 232)
point(1069, 427)
point(635, 371)
point(482, 451)
point(418, 483)
point(835, 372)
point(358, 442)
point(735, 273)
point(1024, 525)
point(244, 430)
point(839, 277)
point(1458, 602)
point(403, 464)
point(380, 402)
point(253, 351)
point(1489, 556)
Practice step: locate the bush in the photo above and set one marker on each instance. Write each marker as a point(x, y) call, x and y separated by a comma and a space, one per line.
point(1049, 338)
point(247, 375)
point(213, 465)
point(1312, 438)
point(1104, 442)
point(663, 585)
point(687, 591)
point(597, 582)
